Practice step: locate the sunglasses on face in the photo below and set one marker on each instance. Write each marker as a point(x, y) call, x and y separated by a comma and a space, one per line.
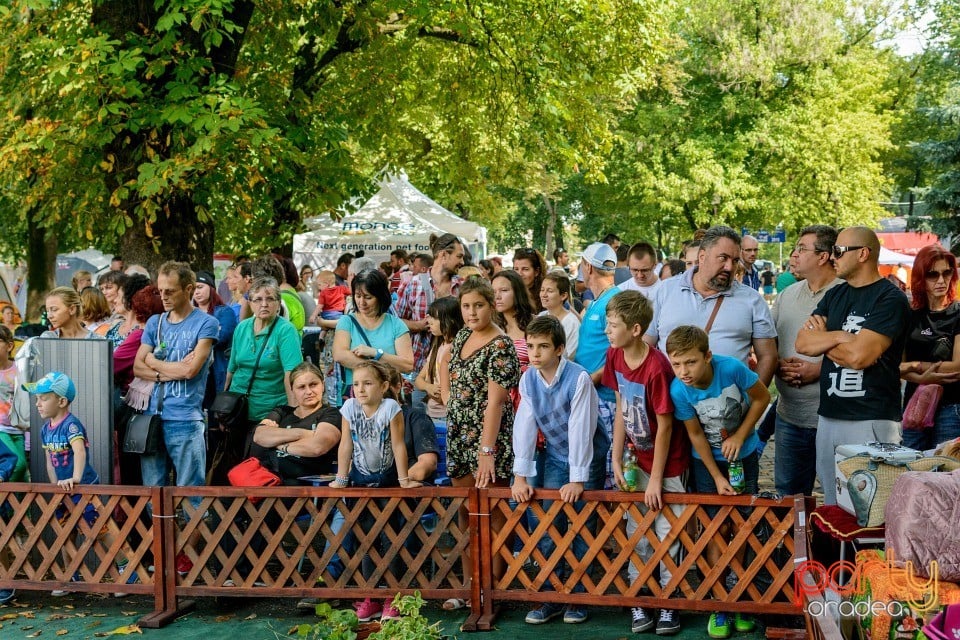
point(933, 276)
point(838, 250)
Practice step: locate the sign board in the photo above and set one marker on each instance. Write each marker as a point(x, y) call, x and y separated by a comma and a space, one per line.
point(766, 237)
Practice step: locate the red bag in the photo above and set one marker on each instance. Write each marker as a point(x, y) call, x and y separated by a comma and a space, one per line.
point(251, 473)
point(921, 410)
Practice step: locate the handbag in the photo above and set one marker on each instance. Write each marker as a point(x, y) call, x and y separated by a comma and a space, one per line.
point(229, 408)
point(143, 434)
point(870, 481)
point(921, 410)
point(945, 625)
point(144, 431)
point(252, 473)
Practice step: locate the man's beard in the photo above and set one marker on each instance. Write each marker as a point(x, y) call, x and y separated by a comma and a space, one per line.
point(716, 284)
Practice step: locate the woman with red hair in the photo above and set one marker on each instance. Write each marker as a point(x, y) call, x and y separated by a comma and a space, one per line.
point(932, 351)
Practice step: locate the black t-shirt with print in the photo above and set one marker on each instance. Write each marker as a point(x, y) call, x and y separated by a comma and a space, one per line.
point(930, 338)
point(874, 392)
point(290, 467)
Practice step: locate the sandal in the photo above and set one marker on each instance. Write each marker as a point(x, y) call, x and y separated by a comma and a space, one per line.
point(454, 603)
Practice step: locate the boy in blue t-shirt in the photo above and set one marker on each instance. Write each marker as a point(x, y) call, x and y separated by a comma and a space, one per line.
point(719, 401)
point(65, 442)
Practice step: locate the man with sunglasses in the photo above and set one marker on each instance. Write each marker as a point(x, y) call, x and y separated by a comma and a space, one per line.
point(798, 376)
point(860, 326)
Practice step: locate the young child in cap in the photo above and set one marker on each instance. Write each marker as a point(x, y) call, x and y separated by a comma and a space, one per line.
point(64, 440)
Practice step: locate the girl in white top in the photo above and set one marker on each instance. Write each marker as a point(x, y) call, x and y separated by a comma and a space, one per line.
point(371, 450)
point(554, 294)
point(444, 320)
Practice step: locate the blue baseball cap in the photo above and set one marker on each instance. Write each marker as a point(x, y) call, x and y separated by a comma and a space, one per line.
point(54, 382)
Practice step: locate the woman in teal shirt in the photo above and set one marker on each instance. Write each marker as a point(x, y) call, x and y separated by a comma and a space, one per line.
point(281, 352)
point(370, 332)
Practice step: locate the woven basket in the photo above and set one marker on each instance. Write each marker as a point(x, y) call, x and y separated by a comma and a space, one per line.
point(870, 480)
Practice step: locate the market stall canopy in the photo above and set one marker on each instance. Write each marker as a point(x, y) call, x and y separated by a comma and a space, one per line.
point(398, 216)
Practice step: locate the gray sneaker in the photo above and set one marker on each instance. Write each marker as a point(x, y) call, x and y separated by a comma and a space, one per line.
point(669, 622)
point(642, 621)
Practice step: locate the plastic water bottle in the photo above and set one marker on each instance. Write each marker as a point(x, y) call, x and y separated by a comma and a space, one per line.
point(631, 470)
point(737, 480)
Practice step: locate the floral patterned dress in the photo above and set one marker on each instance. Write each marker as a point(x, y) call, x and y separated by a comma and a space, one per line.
point(496, 361)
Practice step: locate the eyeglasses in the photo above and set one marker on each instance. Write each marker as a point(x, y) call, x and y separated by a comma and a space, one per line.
point(934, 276)
point(262, 301)
point(800, 249)
point(838, 250)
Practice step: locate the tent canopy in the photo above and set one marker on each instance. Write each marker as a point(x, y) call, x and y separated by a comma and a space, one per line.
point(398, 216)
point(892, 257)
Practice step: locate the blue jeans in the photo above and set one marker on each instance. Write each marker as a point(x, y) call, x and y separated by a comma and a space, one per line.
point(945, 427)
point(366, 521)
point(556, 473)
point(795, 462)
point(184, 448)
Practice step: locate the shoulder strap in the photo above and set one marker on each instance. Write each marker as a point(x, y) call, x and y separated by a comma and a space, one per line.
point(427, 287)
point(363, 334)
point(260, 353)
point(159, 342)
point(713, 314)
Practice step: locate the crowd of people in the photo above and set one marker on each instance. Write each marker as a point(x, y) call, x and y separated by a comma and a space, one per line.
point(531, 376)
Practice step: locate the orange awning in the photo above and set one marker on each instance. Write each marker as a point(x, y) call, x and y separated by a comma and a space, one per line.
point(907, 242)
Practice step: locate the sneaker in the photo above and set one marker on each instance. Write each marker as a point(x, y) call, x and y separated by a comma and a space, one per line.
point(641, 620)
point(545, 613)
point(669, 622)
point(133, 579)
point(389, 611)
point(308, 604)
point(744, 623)
point(367, 610)
point(184, 564)
point(720, 625)
point(575, 615)
point(6, 595)
point(59, 593)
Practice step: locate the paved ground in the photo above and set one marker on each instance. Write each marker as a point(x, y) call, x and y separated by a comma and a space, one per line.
point(84, 616)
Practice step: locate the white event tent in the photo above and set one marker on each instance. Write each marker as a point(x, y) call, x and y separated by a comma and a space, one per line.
point(398, 216)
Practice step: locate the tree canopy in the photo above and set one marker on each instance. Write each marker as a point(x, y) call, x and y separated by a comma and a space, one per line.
point(168, 128)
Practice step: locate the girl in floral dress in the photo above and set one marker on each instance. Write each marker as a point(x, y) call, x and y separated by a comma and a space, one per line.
point(476, 389)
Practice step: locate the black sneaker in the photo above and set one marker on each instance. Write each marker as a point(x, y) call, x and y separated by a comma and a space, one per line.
point(641, 620)
point(669, 622)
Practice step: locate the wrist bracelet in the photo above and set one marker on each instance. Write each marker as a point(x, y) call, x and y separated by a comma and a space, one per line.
point(487, 451)
point(343, 479)
point(158, 376)
point(403, 479)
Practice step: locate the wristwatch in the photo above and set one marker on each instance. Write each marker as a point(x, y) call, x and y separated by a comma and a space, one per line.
point(379, 354)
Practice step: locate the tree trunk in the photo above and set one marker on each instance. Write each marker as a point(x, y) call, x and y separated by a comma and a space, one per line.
point(41, 269)
point(550, 238)
point(177, 234)
point(180, 235)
